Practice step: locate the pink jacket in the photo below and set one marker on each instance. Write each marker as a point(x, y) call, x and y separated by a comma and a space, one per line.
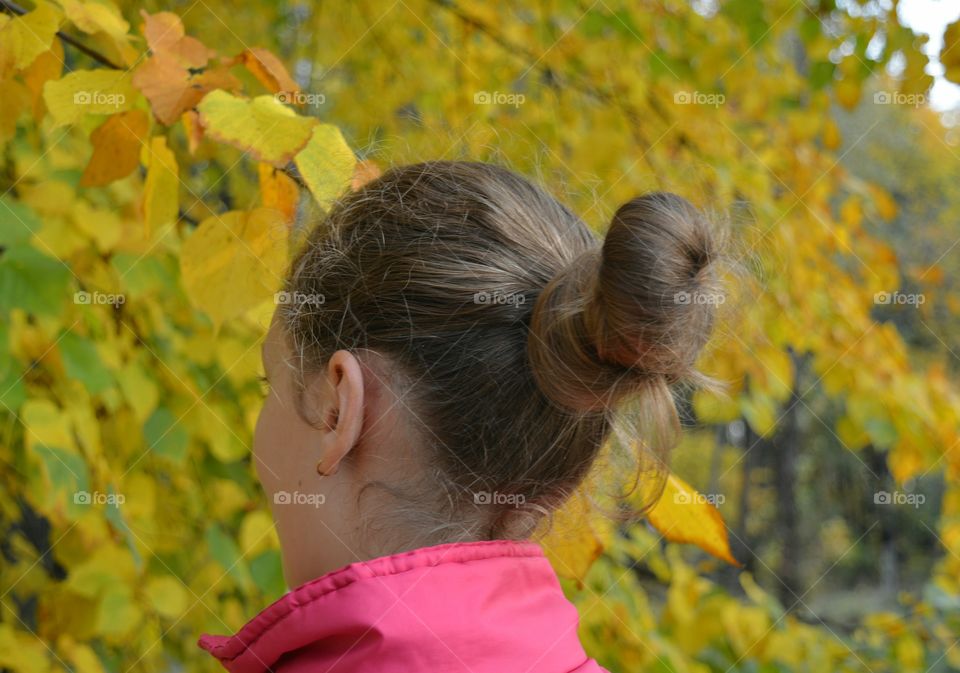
point(476, 607)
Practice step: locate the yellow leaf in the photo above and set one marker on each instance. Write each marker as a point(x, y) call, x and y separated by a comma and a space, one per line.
point(82, 657)
point(116, 148)
point(46, 425)
point(326, 164)
point(45, 67)
point(22, 652)
point(93, 17)
point(24, 38)
point(165, 35)
point(851, 212)
point(102, 225)
point(847, 91)
point(162, 188)
point(760, 412)
point(264, 127)
point(776, 369)
point(16, 100)
point(269, 70)
point(575, 538)
point(884, 202)
point(192, 129)
point(234, 261)
point(715, 407)
point(853, 436)
point(684, 515)
point(905, 461)
point(278, 190)
point(106, 566)
point(950, 52)
point(173, 89)
point(257, 533)
point(117, 613)
point(175, 77)
point(140, 390)
point(168, 596)
point(832, 139)
point(88, 92)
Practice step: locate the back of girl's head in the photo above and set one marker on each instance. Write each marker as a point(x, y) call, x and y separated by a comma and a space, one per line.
point(518, 334)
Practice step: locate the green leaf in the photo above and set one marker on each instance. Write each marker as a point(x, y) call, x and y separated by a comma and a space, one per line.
point(12, 390)
point(82, 362)
point(68, 474)
point(32, 281)
point(267, 571)
point(226, 552)
point(17, 222)
point(165, 437)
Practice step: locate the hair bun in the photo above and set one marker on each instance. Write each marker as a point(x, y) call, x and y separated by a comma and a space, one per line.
point(636, 309)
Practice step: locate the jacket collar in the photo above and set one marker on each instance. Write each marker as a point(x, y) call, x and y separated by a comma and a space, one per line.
point(475, 607)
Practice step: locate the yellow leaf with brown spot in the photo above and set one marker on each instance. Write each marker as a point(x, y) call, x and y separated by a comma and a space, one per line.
point(269, 70)
point(684, 515)
point(172, 89)
point(175, 77)
point(116, 148)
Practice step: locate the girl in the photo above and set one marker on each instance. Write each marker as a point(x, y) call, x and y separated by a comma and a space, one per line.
point(444, 367)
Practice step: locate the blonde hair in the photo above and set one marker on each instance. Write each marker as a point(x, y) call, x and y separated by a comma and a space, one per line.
point(519, 332)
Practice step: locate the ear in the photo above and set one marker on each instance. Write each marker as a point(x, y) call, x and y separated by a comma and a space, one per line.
point(342, 408)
